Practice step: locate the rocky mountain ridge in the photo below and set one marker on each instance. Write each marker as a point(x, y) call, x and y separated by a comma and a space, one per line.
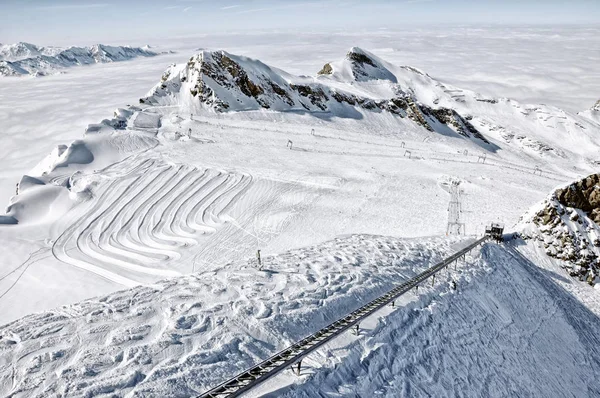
point(27, 59)
point(362, 82)
point(225, 82)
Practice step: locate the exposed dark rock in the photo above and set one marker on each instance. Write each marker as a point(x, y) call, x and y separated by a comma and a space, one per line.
point(327, 70)
point(569, 227)
point(315, 95)
point(360, 59)
point(583, 194)
point(450, 117)
point(491, 101)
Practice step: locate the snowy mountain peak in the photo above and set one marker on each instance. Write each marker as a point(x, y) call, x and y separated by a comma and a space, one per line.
point(593, 113)
point(18, 51)
point(358, 65)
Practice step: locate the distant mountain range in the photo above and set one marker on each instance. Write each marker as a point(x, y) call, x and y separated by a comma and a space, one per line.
point(28, 59)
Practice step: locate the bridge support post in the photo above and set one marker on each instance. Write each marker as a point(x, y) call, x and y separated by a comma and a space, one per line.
point(298, 368)
point(393, 304)
point(357, 329)
point(433, 280)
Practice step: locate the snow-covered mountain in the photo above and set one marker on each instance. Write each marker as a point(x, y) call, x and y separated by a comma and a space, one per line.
point(18, 51)
point(593, 113)
point(27, 59)
point(224, 82)
point(567, 224)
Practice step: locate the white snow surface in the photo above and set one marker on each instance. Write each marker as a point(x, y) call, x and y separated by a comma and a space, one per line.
point(593, 113)
point(174, 187)
point(179, 337)
point(511, 329)
point(176, 190)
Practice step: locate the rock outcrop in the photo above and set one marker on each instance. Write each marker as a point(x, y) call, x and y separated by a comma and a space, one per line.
point(568, 226)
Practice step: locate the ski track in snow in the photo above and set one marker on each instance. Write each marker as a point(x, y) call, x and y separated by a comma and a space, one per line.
point(144, 215)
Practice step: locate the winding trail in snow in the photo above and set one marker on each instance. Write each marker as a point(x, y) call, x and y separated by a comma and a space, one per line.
point(147, 212)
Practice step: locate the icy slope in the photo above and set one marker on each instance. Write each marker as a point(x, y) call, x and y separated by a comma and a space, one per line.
point(24, 58)
point(567, 224)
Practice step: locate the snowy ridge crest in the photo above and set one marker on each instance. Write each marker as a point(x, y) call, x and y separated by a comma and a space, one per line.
point(593, 113)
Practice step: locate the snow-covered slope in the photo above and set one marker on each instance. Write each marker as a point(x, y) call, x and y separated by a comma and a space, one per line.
point(567, 224)
point(180, 337)
point(227, 155)
point(24, 58)
point(593, 113)
point(491, 338)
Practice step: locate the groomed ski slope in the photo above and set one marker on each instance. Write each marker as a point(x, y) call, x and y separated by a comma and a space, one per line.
point(509, 330)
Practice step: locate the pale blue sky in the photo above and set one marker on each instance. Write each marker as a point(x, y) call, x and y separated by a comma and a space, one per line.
point(64, 22)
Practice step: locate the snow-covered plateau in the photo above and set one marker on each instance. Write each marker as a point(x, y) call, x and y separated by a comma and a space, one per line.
point(134, 247)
